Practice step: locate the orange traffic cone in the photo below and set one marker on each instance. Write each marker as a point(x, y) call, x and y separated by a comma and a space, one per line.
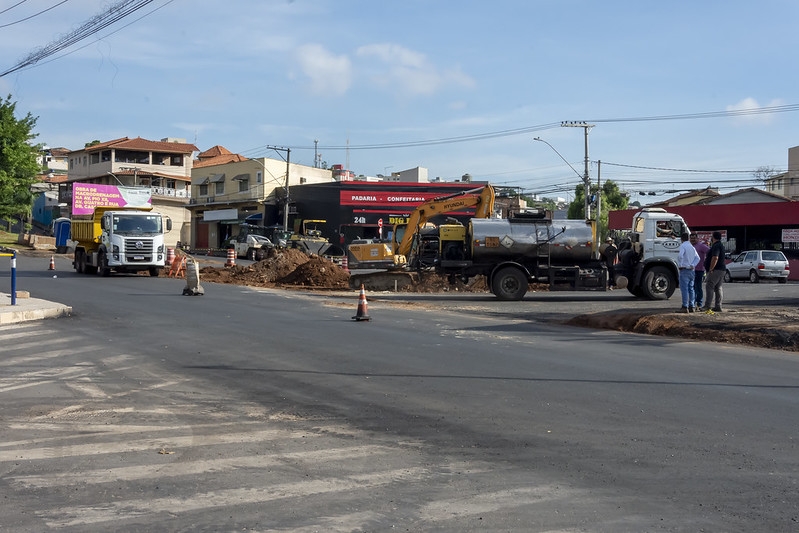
point(52, 263)
point(363, 312)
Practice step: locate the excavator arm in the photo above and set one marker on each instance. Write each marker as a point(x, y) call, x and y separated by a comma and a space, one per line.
point(482, 197)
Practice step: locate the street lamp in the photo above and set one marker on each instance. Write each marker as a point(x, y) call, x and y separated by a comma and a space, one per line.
point(584, 179)
point(115, 177)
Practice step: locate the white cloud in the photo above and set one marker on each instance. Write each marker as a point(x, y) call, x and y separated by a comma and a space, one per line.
point(328, 73)
point(750, 104)
point(409, 71)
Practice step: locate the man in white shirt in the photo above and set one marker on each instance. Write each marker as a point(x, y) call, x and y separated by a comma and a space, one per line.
point(687, 260)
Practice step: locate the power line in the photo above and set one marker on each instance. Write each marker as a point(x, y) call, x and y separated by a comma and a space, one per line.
point(108, 17)
point(134, 21)
point(712, 114)
point(31, 16)
point(679, 169)
point(9, 8)
point(541, 127)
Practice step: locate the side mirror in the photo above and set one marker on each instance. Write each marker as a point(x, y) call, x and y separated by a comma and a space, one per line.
point(169, 224)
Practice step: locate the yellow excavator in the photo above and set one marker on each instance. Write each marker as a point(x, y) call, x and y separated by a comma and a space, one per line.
point(406, 238)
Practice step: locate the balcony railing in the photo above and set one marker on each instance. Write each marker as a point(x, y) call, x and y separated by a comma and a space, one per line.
point(166, 191)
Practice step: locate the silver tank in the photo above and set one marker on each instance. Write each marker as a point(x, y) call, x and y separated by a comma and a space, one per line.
point(566, 241)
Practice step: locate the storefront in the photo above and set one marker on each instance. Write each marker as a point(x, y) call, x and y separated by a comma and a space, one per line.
point(362, 210)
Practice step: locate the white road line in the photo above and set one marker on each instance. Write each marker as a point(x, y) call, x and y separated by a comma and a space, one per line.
point(487, 502)
point(117, 511)
point(40, 342)
point(88, 389)
point(154, 444)
point(101, 430)
point(217, 466)
point(40, 356)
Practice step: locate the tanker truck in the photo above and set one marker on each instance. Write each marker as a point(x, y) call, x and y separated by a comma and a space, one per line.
point(120, 239)
point(564, 254)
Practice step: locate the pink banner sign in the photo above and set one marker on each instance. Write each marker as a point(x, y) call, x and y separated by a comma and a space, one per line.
point(87, 196)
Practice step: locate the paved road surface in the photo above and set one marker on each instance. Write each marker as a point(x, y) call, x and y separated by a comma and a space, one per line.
point(265, 410)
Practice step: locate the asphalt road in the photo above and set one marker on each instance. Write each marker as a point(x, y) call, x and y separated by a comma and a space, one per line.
point(262, 410)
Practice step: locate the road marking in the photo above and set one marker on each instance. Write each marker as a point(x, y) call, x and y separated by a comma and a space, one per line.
point(122, 510)
point(42, 341)
point(487, 502)
point(88, 389)
point(154, 444)
point(40, 356)
point(217, 466)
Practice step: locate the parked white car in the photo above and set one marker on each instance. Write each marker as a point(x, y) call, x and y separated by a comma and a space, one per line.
point(755, 265)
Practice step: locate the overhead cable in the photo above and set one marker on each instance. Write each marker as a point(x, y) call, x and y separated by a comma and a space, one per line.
point(9, 8)
point(31, 16)
point(108, 17)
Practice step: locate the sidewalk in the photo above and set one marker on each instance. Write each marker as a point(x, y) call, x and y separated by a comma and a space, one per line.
point(29, 309)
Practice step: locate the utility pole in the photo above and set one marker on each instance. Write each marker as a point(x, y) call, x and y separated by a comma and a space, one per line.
point(286, 200)
point(586, 177)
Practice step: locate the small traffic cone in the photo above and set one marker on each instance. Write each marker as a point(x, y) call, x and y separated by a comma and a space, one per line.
point(363, 312)
point(52, 263)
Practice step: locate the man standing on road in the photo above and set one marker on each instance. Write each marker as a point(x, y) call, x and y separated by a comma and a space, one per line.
point(699, 272)
point(686, 261)
point(716, 268)
point(611, 256)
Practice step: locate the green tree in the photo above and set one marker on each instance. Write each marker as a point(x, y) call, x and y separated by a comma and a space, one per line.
point(613, 198)
point(18, 166)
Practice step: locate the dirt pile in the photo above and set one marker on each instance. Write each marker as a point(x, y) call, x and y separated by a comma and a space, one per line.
point(282, 268)
point(431, 282)
point(764, 327)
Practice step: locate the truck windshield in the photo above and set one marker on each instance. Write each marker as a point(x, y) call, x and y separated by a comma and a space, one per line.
point(137, 224)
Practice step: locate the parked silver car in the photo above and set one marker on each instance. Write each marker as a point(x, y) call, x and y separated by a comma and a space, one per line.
point(755, 265)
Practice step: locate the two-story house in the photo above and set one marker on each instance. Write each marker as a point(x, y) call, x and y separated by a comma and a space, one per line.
point(164, 166)
point(228, 189)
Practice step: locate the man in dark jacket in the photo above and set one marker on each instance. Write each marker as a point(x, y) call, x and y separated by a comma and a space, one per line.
point(716, 268)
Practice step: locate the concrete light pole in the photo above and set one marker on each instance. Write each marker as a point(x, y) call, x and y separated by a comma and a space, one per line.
point(587, 178)
point(286, 201)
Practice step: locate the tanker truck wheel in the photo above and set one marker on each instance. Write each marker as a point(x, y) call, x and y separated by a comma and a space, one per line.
point(509, 284)
point(659, 283)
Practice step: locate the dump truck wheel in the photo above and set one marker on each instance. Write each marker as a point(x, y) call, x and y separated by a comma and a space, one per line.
point(80, 262)
point(509, 284)
point(102, 265)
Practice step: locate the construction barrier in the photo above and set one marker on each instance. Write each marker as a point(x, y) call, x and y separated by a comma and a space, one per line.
point(170, 256)
point(52, 263)
point(178, 267)
point(231, 258)
point(345, 263)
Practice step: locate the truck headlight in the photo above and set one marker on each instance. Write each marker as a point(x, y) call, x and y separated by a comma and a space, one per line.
point(161, 249)
point(116, 251)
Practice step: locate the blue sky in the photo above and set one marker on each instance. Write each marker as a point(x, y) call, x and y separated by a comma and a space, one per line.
point(366, 78)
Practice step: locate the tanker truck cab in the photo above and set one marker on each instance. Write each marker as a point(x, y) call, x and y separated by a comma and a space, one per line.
point(650, 262)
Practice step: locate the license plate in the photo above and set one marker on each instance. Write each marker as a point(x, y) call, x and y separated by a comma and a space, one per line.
point(138, 258)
